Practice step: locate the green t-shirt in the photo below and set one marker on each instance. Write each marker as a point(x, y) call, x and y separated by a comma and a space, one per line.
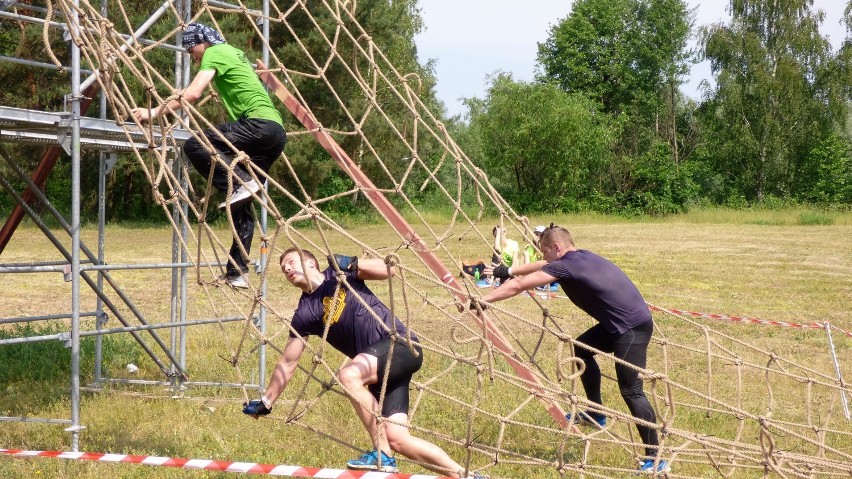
point(532, 253)
point(508, 253)
point(238, 84)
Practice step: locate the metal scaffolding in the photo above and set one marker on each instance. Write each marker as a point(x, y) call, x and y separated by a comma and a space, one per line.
point(68, 132)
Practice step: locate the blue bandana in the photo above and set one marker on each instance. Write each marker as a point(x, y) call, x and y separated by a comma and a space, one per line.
point(198, 33)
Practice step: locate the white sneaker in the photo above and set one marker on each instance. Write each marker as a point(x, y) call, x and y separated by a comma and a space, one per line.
point(242, 194)
point(238, 282)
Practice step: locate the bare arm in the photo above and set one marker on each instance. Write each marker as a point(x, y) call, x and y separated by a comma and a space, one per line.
point(528, 268)
point(521, 269)
point(284, 368)
point(498, 240)
point(516, 257)
point(518, 285)
point(192, 93)
point(374, 268)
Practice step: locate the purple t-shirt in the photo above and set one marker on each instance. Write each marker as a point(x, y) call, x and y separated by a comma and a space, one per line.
point(353, 326)
point(601, 289)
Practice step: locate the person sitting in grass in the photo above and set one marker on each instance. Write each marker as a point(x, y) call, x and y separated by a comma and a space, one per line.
point(372, 345)
point(532, 254)
point(506, 251)
point(624, 326)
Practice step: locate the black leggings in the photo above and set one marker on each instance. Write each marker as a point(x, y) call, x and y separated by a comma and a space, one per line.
point(403, 365)
point(263, 141)
point(631, 347)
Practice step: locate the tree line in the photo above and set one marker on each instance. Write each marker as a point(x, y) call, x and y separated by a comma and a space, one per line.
point(603, 127)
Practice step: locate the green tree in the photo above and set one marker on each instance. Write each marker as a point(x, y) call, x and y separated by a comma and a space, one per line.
point(775, 98)
point(832, 160)
point(382, 44)
point(542, 147)
point(588, 52)
point(630, 56)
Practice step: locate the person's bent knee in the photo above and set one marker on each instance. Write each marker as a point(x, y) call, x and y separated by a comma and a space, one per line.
point(197, 155)
point(192, 148)
point(397, 435)
point(583, 353)
point(350, 376)
point(398, 439)
point(633, 391)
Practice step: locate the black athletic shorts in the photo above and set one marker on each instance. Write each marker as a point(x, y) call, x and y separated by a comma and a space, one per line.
point(402, 365)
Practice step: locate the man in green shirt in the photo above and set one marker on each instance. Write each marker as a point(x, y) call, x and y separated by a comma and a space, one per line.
point(255, 128)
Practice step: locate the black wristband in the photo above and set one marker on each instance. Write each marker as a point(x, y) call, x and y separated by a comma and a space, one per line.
point(501, 272)
point(345, 263)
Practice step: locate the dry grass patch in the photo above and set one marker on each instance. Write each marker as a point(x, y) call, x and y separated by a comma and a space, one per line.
point(781, 271)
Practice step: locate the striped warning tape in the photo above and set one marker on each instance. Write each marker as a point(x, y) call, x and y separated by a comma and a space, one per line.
point(740, 319)
point(736, 319)
point(222, 466)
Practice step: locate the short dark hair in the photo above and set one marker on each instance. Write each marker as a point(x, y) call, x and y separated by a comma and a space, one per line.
point(302, 253)
point(556, 234)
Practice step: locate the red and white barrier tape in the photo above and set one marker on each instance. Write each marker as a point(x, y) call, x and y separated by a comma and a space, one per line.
point(223, 466)
point(739, 319)
point(736, 319)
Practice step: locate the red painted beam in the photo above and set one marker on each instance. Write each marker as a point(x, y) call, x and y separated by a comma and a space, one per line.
point(39, 177)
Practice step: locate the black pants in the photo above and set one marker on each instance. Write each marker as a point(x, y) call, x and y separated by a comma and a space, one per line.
point(631, 347)
point(403, 365)
point(263, 141)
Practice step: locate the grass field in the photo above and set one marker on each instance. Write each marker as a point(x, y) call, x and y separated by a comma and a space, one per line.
point(788, 265)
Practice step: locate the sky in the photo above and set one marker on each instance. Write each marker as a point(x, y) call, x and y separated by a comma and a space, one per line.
point(471, 40)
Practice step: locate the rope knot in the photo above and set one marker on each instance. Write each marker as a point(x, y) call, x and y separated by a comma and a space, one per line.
point(392, 260)
point(651, 375)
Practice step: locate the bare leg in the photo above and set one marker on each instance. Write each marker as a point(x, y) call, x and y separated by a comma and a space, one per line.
point(429, 455)
point(392, 435)
point(355, 376)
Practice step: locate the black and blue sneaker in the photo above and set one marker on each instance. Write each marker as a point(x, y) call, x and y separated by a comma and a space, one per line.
point(588, 418)
point(646, 466)
point(369, 462)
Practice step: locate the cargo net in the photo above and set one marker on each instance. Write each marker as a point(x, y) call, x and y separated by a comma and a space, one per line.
point(493, 386)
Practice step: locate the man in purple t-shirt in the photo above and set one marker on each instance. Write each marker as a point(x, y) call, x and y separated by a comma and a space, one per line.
point(356, 323)
point(624, 328)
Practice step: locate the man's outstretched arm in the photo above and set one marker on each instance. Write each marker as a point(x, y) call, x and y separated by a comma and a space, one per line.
point(192, 93)
point(281, 375)
point(284, 368)
point(518, 285)
point(374, 268)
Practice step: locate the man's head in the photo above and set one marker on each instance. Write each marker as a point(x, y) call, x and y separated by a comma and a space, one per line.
point(555, 242)
point(197, 37)
point(296, 264)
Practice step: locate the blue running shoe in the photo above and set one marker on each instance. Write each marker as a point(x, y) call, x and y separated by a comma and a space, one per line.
point(588, 418)
point(646, 466)
point(369, 460)
point(554, 288)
